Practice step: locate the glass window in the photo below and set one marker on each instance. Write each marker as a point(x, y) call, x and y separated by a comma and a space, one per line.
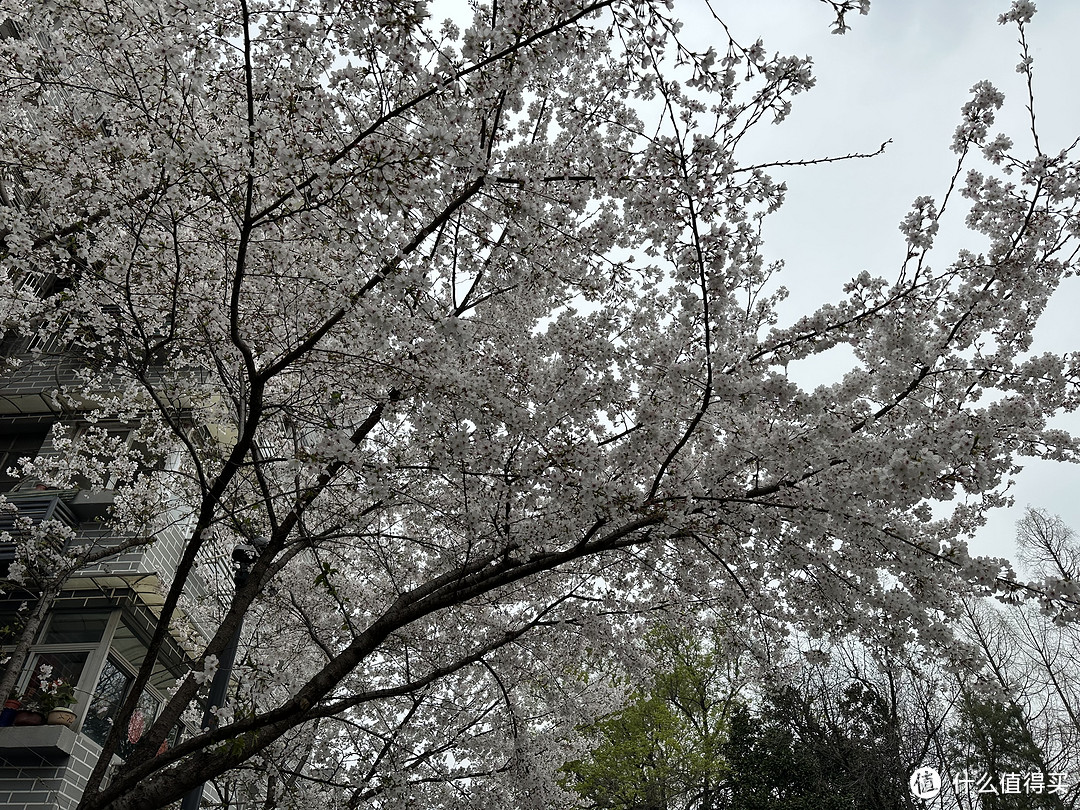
point(108, 695)
point(140, 721)
point(65, 665)
point(76, 628)
point(133, 651)
point(15, 443)
point(129, 646)
point(111, 690)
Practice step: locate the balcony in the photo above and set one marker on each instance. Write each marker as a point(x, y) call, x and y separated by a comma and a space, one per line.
point(34, 745)
point(80, 510)
point(39, 505)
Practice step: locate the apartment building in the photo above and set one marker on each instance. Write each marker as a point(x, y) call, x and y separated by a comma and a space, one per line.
point(95, 632)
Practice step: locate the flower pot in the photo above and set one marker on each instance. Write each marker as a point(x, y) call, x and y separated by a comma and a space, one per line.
point(61, 716)
point(7, 716)
point(24, 717)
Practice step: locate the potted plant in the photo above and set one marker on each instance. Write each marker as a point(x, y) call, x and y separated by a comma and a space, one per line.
point(11, 708)
point(29, 712)
point(49, 701)
point(56, 697)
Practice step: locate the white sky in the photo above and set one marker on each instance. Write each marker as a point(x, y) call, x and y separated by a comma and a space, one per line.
point(903, 73)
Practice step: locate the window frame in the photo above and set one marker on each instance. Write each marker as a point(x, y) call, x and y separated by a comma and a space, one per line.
point(96, 650)
point(99, 653)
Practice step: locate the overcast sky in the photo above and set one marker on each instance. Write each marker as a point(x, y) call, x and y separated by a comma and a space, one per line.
point(903, 72)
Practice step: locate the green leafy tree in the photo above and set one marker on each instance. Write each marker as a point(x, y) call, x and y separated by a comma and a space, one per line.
point(470, 328)
point(702, 737)
point(662, 751)
point(801, 751)
point(994, 738)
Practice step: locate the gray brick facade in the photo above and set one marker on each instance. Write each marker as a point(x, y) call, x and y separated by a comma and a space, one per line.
point(46, 767)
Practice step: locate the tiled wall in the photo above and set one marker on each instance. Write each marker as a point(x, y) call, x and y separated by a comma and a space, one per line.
point(44, 777)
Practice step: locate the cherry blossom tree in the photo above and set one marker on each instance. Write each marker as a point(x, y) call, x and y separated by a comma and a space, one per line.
point(463, 335)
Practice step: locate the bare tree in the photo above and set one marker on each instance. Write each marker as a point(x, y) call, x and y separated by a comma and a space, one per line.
point(1047, 544)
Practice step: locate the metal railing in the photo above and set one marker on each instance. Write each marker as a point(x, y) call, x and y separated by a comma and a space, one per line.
point(38, 506)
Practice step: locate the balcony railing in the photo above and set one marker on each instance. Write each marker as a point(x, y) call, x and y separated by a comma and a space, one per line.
point(38, 506)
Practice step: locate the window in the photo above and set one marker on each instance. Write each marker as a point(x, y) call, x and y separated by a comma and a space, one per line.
point(55, 341)
point(116, 678)
point(18, 441)
point(104, 443)
point(112, 688)
point(98, 652)
point(66, 665)
point(109, 693)
point(36, 284)
point(108, 443)
point(69, 644)
point(76, 628)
